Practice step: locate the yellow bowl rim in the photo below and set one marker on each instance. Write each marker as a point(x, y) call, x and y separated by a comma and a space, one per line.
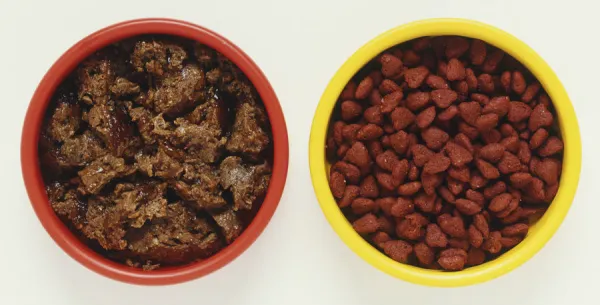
point(543, 229)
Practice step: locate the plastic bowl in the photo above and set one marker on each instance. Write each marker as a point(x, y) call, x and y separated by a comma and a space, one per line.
point(35, 186)
point(539, 233)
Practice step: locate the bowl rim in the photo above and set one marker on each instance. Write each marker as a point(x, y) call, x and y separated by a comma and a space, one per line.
point(34, 185)
point(540, 233)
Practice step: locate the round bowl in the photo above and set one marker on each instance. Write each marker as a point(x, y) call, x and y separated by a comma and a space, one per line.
point(35, 186)
point(538, 234)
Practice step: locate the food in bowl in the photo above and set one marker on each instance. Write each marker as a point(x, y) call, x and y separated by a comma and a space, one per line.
point(443, 149)
point(156, 151)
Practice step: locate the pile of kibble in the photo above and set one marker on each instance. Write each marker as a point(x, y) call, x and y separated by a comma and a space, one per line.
point(443, 150)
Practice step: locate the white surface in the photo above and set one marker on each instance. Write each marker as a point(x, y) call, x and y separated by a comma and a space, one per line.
point(299, 46)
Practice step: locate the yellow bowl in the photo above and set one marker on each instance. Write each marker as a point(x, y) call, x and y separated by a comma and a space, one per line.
point(538, 234)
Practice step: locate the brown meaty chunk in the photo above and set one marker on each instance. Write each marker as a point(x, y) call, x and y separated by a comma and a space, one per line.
point(200, 185)
point(144, 120)
point(179, 91)
point(82, 149)
point(104, 223)
point(111, 123)
point(248, 136)
point(69, 206)
point(179, 237)
point(202, 142)
point(157, 57)
point(124, 87)
point(100, 172)
point(95, 76)
point(230, 224)
point(246, 182)
point(159, 165)
point(141, 202)
point(65, 120)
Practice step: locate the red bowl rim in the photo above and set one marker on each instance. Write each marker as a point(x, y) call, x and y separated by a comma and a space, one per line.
point(35, 186)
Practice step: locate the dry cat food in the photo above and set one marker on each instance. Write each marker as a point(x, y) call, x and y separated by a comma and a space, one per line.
point(443, 149)
point(156, 151)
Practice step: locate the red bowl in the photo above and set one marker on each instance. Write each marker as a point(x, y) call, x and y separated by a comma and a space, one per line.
point(35, 185)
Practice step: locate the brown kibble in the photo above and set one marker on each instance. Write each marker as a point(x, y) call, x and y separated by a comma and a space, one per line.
point(380, 238)
point(364, 88)
point(387, 160)
point(548, 170)
point(351, 172)
point(369, 132)
point(475, 236)
point(500, 202)
point(413, 172)
point(421, 154)
point(509, 164)
point(452, 225)
point(436, 164)
point(518, 112)
point(401, 118)
point(511, 144)
point(358, 155)
point(482, 99)
point(375, 98)
point(538, 138)
point(553, 146)
point(386, 181)
point(349, 132)
point(540, 117)
point(505, 81)
point(398, 250)
point(499, 105)
point(400, 171)
point(481, 224)
point(348, 92)
point(388, 86)
point(337, 184)
point(399, 142)
point(495, 189)
point(373, 115)
point(435, 138)
point(517, 229)
point(436, 82)
point(446, 194)
point(476, 197)
point(368, 187)
point(425, 202)
point(426, 117)
point(366, 224)
point(461, 174)
point(411, 227)
point(536, 189)
point(417, 100)
point(469, 112)
point(350, 110)
point(402, 207)
point(485, 82)
point(456, 46)
point(455, 186)
point(477, 52)
point(509, 242)
point(390, 65)
point(492, 61)
point(410, 58)
point(492, 244)
point(424, 254)
point(453, 259)
point(507, 130)
point(486, 122)
point(492, 152)
point(467, 207)
point(352, 192)
point(471, 132)
point(524, 153)
point(477, 180)
point(491, 136)
point(458, 154)
point(459, 243)
point(342, 150)
point(375, 148)
point(531, 91)
point(455, 70)
point(518, 84)
point(464, 141)
point(448, 114)
point(520, 180)
point(414, 77)
point(475, 257)
point(409, 188)
point(377, 77)
point(434, 237)
point(471, 81)
point(363, 205)
point(443, 98)
point(430, 182)
point(390, 101)
point(337, 132)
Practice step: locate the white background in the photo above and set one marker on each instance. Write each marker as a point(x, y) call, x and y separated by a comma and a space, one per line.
point(299, 45)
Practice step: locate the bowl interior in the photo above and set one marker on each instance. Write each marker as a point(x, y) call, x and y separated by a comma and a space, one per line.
point(539, 233)
point(35, 185)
